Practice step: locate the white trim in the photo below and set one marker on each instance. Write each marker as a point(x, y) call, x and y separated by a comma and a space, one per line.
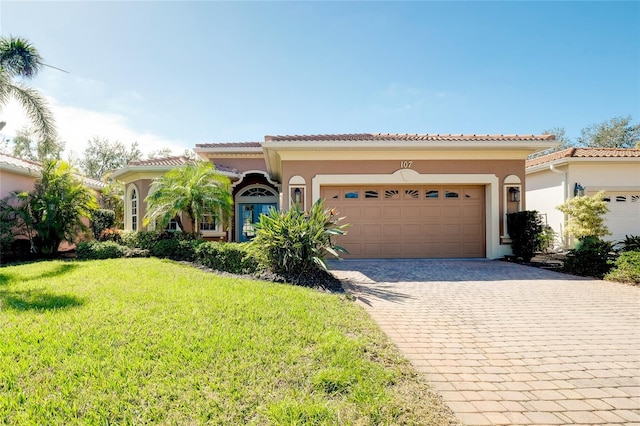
point(303, 188)
point(275, 199)
point(127, 208)
point(243, 175)
point(297, 180)
point(403, 176)
point(511, 179)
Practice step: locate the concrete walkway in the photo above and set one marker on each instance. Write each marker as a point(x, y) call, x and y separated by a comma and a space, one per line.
point(510, 344)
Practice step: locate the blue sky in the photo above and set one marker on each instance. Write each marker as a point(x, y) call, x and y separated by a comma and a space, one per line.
point(179, 73)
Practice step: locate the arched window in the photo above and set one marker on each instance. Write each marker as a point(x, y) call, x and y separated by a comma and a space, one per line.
point(133, 204)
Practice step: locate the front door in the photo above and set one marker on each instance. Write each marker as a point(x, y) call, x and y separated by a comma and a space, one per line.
point(249, 216)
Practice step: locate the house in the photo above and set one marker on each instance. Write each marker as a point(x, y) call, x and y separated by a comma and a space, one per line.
point(557, 177)
point(18, 175)
point(404, 195)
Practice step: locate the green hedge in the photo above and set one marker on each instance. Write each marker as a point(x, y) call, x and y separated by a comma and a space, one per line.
point(147, 239)
point(592, 257)
point(176, 249)
point(93, 250)
point(526, 233)
point(228, 257)
point(626, 268)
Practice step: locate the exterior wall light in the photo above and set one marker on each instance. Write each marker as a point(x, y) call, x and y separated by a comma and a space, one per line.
point(514, 195)
point(578, 190)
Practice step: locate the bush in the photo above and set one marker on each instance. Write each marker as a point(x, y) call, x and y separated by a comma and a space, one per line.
point(296, 241)
point(626, 268)
point(99, 250)
point(228, 257)
point(111, 234)
point(592, 257)
point(526, 233)
point(147, 239)
point(102, 219)
point(630, 243)
point(176, 249)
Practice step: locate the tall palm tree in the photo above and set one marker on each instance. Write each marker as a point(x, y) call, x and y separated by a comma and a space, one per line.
point(195, 189)
point(19, 58)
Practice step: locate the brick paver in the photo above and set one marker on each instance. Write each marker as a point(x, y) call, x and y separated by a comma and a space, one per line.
point(506, 343)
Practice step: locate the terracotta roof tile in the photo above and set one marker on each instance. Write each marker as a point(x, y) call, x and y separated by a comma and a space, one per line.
point(407, 137)
point(230, 145)
point(18, 162)
point(164, 161)
point(584, 153)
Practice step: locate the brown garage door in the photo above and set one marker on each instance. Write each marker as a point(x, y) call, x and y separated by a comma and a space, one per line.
point(426, 221)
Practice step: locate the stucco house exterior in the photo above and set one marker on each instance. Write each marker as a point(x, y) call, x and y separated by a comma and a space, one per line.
point(404, 195)
point(557, 177)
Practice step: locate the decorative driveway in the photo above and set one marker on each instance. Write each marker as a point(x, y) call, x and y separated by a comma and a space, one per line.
point(509, 344)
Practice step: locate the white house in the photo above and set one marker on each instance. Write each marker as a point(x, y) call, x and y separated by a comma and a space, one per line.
point(555, 178)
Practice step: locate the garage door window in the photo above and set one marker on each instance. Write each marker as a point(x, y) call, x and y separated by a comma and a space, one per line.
point(451, 194)
point(432, 193)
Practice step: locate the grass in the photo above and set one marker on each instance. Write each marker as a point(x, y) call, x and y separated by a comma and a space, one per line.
point(146, 341)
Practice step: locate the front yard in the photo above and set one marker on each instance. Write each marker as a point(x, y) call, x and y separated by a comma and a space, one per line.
point(139, 341)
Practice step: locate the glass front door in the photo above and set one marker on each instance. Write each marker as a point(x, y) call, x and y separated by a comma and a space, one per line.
point(249, 216)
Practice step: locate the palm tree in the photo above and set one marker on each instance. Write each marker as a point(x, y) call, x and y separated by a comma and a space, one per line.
point(19, 58)
point(196, 190)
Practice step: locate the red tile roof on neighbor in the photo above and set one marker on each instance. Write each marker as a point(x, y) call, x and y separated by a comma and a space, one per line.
point(230, 145)
point(164, 161)
point(408, 137)
point(584, 153)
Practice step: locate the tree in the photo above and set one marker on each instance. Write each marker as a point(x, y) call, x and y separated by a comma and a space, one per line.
point(112, 198)
point(53, 212)
point(586, 216)
point(160, 153)
point(19, 58)
point(102, 156)
point(565, 141)
point(194, 189)
point(26, 147)
point(614, 133)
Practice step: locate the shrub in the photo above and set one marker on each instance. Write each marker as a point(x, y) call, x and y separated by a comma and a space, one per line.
point(526, 233)
point(228, 257)
point(111, 234)
point(99, 250)
point(147, 239)
point(296, 241)
point(626, 268)
point(102, 219)
point(586, 216)
point(176, 249)
point(592, 257)
point(630, 243)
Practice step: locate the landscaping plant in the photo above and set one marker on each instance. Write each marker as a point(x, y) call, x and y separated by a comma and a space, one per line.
point(526, 233)
point(102, 219)
point(295, 241)
point(592, 257)
point(626, 268)
point(586, 216)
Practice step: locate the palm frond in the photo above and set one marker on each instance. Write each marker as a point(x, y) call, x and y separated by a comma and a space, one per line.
point(36, 107)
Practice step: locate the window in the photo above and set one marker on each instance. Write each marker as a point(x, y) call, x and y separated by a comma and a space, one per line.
point(451, 194)
point(391, 194)
point(209, 223)
point(133, 200)
point(621, 198)
point(351, 195)
point(173, 225)
point(432, 193)
point(411, 193)
point(371, 194)
point(635, 198)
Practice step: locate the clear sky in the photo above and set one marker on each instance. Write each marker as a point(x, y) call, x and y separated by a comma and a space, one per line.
point(173, 74)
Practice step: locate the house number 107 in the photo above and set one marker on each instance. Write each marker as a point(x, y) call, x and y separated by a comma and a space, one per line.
point(406, 164)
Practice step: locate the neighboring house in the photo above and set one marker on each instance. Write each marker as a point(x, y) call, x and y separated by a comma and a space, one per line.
point(404, 195)
point(20, 175)
point(557, 177)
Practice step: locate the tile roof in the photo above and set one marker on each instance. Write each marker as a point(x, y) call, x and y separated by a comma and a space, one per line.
point(18, 162)
point(178, 160)
point(407, 137)
point(37, 166)
point(230, 145)
point(584, 153)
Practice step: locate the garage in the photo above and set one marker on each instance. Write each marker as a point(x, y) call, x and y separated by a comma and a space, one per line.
point(410, 221)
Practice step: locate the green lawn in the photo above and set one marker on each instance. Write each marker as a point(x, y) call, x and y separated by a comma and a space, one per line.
point(146, 341)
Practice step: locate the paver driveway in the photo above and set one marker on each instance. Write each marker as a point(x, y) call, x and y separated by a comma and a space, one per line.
point(509, 344)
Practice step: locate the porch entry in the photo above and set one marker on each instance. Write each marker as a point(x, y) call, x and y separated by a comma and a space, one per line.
point(249, 216)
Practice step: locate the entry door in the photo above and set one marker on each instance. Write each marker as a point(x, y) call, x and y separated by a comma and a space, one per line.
point(249, 216)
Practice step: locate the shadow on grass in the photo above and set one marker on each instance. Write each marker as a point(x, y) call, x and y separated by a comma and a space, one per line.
point(36, 300)
point(53, 272)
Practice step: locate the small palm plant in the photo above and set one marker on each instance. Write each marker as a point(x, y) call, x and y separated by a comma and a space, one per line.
point(297, 241)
